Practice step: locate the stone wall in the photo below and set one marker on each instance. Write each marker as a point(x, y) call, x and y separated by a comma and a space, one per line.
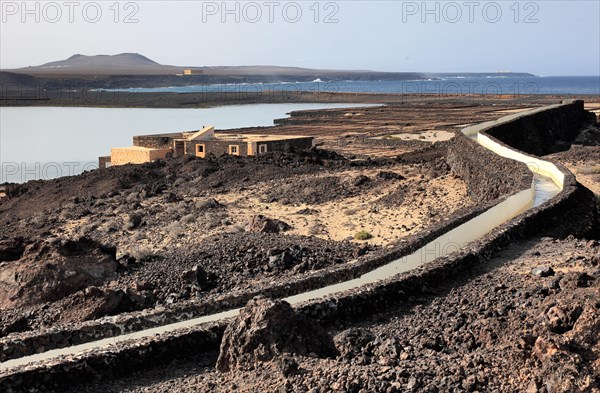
point(103, 162)
point(153, 142)
point(122, 358)
point(546, 131)
point(136, 155)
point(485, 172)
point(297, 143)
point(218, 147)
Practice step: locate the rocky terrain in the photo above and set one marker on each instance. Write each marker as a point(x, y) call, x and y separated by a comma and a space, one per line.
point(584, 162)
point(134, 237)
point(181, 229)
point(524, 321)
point(137, 237)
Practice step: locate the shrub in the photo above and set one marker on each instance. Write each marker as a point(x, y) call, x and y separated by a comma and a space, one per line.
point(362, 235)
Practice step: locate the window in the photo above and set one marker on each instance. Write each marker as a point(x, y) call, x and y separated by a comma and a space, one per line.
point(234, 149)
point(262, 149)
point(200, 150)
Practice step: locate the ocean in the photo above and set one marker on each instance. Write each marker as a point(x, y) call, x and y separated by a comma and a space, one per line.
point(514, 86)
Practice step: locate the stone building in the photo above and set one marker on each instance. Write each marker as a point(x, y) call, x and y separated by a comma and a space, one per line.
point(147, 148)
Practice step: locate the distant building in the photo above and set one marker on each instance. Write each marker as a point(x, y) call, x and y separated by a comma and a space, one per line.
point(193, 72)
point(148, 148)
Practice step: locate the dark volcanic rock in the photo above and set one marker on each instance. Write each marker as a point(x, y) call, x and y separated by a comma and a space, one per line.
point(389, 175)
point(589, 136)
point(266, 329)
point(352, 342)
point(573, 280)
point(210, 203)
point(134, 221)
point(542, 271)
point(11, 249)
point(561, 318)
point(200, 278)
point(260, 223)
point(48, 271)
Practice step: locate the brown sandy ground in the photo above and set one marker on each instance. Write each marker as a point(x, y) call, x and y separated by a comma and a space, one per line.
point(584, 162)
point(500, 328)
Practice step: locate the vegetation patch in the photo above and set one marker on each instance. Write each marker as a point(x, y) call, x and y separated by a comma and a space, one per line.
point(363, 235)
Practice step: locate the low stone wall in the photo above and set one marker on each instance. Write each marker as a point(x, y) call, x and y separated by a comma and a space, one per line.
point(283, 145)
point(18, 345)
point(544, 132)
point(393, 142)
point(349, 304)
point(122, 358)
point(573, 211)
point(485, 172)
point(471, 166)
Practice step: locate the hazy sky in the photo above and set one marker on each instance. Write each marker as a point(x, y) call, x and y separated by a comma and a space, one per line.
point(542, 37)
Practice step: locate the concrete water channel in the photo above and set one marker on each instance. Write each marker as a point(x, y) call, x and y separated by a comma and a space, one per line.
point(547, 182)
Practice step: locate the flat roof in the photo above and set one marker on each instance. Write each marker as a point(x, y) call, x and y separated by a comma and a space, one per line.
point(257, 137)
point(228, 137)
point(138, 148)
point(165, 135)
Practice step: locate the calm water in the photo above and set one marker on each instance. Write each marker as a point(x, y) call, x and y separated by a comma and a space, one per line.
point(45, 142)
point(583, 85)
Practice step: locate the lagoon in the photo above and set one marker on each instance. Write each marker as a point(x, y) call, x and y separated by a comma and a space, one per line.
point(49, 142)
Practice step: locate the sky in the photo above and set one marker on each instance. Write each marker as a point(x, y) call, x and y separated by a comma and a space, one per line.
point(541, 37)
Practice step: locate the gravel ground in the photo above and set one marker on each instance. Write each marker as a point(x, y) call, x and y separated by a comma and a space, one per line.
point(527, 320)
